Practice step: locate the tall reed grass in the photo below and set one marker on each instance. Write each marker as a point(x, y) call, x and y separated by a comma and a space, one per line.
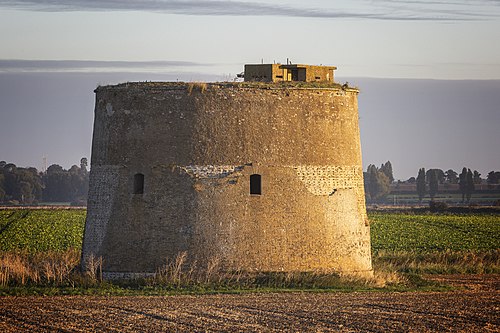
point(200, 86)
point(47, 269)
point(43, 268)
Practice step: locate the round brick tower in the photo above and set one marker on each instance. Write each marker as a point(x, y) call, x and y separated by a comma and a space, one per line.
point(260, 176)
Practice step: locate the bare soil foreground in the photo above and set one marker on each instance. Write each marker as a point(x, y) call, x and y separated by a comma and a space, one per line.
point(475, 309)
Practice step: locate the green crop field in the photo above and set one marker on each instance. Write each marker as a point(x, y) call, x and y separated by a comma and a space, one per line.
point(45, 230)
point(434, 232)
point(41, 230)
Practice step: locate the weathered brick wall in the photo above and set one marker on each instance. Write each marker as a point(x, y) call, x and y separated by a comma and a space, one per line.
point(197, 149)
point(102, 193)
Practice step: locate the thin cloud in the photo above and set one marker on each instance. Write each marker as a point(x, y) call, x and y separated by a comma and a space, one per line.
point(457, 8)
point(18, 65)
point(446, 3)
point(231, 8)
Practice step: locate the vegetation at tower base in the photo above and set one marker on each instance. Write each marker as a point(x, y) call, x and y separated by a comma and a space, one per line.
point(263, 177)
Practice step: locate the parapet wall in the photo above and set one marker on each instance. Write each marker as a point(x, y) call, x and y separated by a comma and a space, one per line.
point(197, 146)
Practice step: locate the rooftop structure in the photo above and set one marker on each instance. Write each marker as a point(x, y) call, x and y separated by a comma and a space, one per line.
point(288, 72)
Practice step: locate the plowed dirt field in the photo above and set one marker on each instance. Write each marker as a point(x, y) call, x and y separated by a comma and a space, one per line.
point(475, 309)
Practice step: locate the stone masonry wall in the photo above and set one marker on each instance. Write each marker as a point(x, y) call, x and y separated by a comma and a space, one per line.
point(197, 147)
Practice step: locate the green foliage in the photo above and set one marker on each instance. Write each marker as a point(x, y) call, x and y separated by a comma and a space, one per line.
point(386, 168)
point(469, 185)
point(493, 177)
point(438, 173)
point(424, 233)
point(376, 183)
point(22, 185)
point(437, 206)
point(451, 176)
point(66, 185)
point(462, 183)
point(27, 186)
point(421, 184)
point(433, 183)
point(477, 177)
point(41, 230)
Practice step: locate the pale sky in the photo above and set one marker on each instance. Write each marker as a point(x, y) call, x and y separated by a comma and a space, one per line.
point(404, 39)
point(100, 42)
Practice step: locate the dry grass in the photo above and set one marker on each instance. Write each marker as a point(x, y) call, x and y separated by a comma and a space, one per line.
point(61, 269)
point(44, 268)
point(193, 86)
point(392, 269)
point(93, 268)
point(54, 269)
point(180, 272)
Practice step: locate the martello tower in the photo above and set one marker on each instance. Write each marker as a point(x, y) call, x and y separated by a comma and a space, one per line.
point(263, 176)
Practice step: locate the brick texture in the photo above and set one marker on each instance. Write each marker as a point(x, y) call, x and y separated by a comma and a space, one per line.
point(197, 148)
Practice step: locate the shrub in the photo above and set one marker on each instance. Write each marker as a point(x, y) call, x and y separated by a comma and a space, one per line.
point(438, 206)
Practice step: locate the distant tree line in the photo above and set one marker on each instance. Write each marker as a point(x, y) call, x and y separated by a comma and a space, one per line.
point(378, 181)
point(29, 186)
point(466, 180)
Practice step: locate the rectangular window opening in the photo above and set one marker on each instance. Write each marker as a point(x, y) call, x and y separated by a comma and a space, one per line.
point(255, 184)
point(138, 183)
